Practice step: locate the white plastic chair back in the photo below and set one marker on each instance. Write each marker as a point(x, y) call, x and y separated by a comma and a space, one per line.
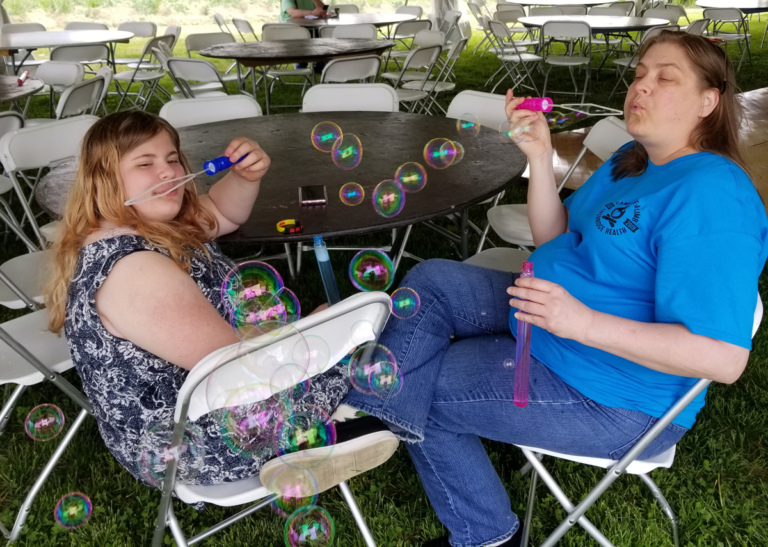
point(515, 8)
point(140, 29)
point(175, 31)
point(350, 323)
point(10, 121)
point(187, 112)
point(196, 42)
point(574, 10)
point(80, 98)
point(725, 15)
point(533, 12)
point(194, 70)
point(680, 11)
point(271, 33)
point(487, 108)
point(345, 8)
point(599, 10)
point(627, 7)
point(350, 97)
point(244, 27)
point(60, 73)
point(85, 25)
point(662, 13)
point(606, 136)
point(408, 29)
point(566, 29)
point(428, 38)
point(81, 54)
point(219, 18)
point(326, 32)
point(507, 17)
point(364, 32)
point(410, 10)
point(16, 28)
point(106, 73)
point(353, 68)
point(698, 27)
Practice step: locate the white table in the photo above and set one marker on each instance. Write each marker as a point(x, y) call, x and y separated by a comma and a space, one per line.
point(746, 6)
point(561, 3)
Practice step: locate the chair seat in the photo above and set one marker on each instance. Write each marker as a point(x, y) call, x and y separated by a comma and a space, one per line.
point(139, 77)
point(567, 61)
point(145, 66)
point(731, 37)
point(519, 58)
point(408, 95)
point(438, 87)
point(412, 76)
point(31, 331)
point(637, 467)
point(29, 273)
point(224, 495)
point(626, 61)
point(510, 222)
point(282, 72)
point(503, 259)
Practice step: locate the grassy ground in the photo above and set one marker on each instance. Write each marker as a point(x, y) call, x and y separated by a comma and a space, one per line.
point(718, 485)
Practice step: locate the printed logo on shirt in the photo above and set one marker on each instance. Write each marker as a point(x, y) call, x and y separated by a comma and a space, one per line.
point(618, 218)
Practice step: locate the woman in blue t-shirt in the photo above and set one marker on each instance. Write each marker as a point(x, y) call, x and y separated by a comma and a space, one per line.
point(646, 279)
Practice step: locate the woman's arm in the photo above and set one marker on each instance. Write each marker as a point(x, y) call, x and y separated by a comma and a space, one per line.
point(547, 215)
point(319, 10)
point(665, 347)
point(148, 300)
point(231, 199)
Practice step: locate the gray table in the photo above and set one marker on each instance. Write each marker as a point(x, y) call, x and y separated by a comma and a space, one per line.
point(746, 6)
point(11, 91)
point(600, 24)
point(561, 3)
point(375, 19)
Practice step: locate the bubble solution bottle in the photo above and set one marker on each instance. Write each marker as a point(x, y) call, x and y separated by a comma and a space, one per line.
point(537, 104)
point(523, 351)
point(326, 271)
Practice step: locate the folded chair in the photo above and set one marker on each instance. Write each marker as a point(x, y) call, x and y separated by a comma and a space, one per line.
point(417, 68)
point(351, 322)
point(627, 464)
point(511, 223)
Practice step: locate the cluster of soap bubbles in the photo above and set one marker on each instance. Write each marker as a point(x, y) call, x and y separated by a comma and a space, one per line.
point(373, 370)
point(521, 131)
point(345, 148)
point(72, 510)
point(44, 422)
point(155, 453)
point(442, 153)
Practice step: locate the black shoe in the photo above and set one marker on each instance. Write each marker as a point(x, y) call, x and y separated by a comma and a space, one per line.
point(361, 445)
point(514, 541)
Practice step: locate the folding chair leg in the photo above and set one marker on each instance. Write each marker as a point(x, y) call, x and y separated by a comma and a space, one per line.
point(358, 516)
point(665, 507)
point(5, 413)
point(529, 510)
point(175, 527)
point(484, 235)
point(47, 470)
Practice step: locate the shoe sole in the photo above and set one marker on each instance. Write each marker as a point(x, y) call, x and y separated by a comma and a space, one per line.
point(328, 466)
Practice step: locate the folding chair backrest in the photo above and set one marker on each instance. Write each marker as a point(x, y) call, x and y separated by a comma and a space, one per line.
point(284, 31)
point(428, 38)
point(574, 10)
point(350, 97)
point(196, 42)
point(345, 8)
point(475, 10)
point(545, 11)
point(16, 28)
point(80, 98)
point(80, 54)
point(325, 32)
point(175, 31)
point(626, 6)
point(244, 27)
point(698, 27)
point(662, 13)
point(725, 15)
point(353, 68)
point(106, 73)
point(10, 121)
point(410, 10)
point(599, 10)
point(507, 17)
point(412, 28)
point(85, 25)
point(423, 57)
point(486, 108)
point(140, 29)
point(219, 18)
point(514, 8)
point(60, 73)
point(350, 323)
point(680, 11)
point(194, 70)
point(653, 31)
point(363, 31)
point(449, 22)
point(567, 29)
point(187, 112)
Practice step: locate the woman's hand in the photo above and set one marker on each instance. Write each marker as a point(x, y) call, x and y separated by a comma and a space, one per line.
point(551, 307)
point(256, 162)
point(528, 129)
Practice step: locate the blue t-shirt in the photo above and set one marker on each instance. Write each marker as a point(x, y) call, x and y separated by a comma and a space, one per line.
point(684, 242)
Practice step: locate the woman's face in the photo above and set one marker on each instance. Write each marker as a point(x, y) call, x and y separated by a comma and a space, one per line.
point(665, 102)
point(152, 162)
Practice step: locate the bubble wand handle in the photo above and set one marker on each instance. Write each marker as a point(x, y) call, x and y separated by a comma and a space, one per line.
point(326, 271)
point(523, 351)
point(537, 104)
point(219, 164)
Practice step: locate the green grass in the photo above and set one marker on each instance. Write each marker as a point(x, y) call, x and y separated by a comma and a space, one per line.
point(718, 485)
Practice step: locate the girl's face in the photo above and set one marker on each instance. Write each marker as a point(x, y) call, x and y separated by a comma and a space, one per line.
point(665, 102)
point(152, 162)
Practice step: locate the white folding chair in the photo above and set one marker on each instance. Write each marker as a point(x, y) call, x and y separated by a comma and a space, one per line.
point(343, 326)
point(57, 76)
point(417, 67)
point(362, 69)
point(190, 74)
point(195, 42)
point(286, 31)
point(441, 83)
point(22, 57)
point(699, 27)
point(106, 73)
point(9, 121)
point(85, 25)
point(406, 33)
point(80, 98)
point(140, 29)
point(510, 222)
point(344, 8)
point(354, 97)
point(424, 38)
point(147, 73)
point(96, 54)
point(663, 13)
point(514, 57)
point(731, 26)
point(629, 463)
point(219, 18)
point(574, 10)
point(626, 6)
point(580, 36)
point(187, 112)
point(244, 27)
point(362, 31)
point(410, 10)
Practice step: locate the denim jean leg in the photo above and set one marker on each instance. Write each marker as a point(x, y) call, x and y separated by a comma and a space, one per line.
point(457, 301)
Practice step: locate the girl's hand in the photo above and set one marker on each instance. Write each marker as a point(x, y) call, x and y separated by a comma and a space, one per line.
point(256, 162)
point(529, 129)
point(551, 307)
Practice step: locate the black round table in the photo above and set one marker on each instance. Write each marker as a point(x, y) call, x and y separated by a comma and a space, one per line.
point(389, 140)
point(600, 24)
point(375, 19)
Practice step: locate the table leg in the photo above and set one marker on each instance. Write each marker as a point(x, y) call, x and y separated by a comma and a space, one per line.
point(464, 232)
point(398, 245)
point(266, 89)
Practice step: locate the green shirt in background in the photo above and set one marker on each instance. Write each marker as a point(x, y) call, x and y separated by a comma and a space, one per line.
point(299, 4)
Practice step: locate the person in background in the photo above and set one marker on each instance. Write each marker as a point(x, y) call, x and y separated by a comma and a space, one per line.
point(301, 8)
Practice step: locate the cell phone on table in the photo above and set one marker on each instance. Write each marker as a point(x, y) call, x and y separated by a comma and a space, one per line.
point(315, 194)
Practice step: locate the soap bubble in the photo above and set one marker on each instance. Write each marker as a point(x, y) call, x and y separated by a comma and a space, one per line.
point(296, 488)
point(249, 427)
point(325, 135)
point(467, 125)
point(405, 303)
point(44, 422)
point(72, 510)
point(347, 152)
point(459, 152)
point(249, 280)
point(365, 360)
point(385, 379)
point(561, 120)
point(439, 153)
point(515, 132)
point(313, 351)
point(388, 198)
point(412, 176)
point(308, 427)
point(309, 526)
point(352, 194)
point(291, 378)
point(155, 452)
point(509, 363)
point(265, 313)
point(371, 270)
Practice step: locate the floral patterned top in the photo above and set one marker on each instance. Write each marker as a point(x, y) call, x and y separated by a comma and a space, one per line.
point(134, 392)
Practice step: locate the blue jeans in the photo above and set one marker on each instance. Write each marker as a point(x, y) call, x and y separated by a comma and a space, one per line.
point(457, 390)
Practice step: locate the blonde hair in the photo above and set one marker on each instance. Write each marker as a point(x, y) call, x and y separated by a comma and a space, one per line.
point(98, 194)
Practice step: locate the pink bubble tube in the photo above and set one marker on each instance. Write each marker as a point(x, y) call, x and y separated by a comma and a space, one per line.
point(523, 351)
point(537, 104)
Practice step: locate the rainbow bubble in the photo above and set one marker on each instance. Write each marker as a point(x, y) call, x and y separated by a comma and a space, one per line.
point(467, 125)
point(247, 281)
point(155, 452)
point(352, 194)
point(412, 176)
point(509, 363)
point(325, 135)
point(371, 270)
point(44, 422)
point(561, 120)
point(385, 380)
point(405, 303)
point(291, 378)
point(265, 313)
point(308, 427)
point(459, 152)
point(309, 526)
point(366, 360)
point(515, 132)
point(312, 353)
point(296, 487)
point(439, 153)
point(388, 198)
point(347, 152)
point(72, 510)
